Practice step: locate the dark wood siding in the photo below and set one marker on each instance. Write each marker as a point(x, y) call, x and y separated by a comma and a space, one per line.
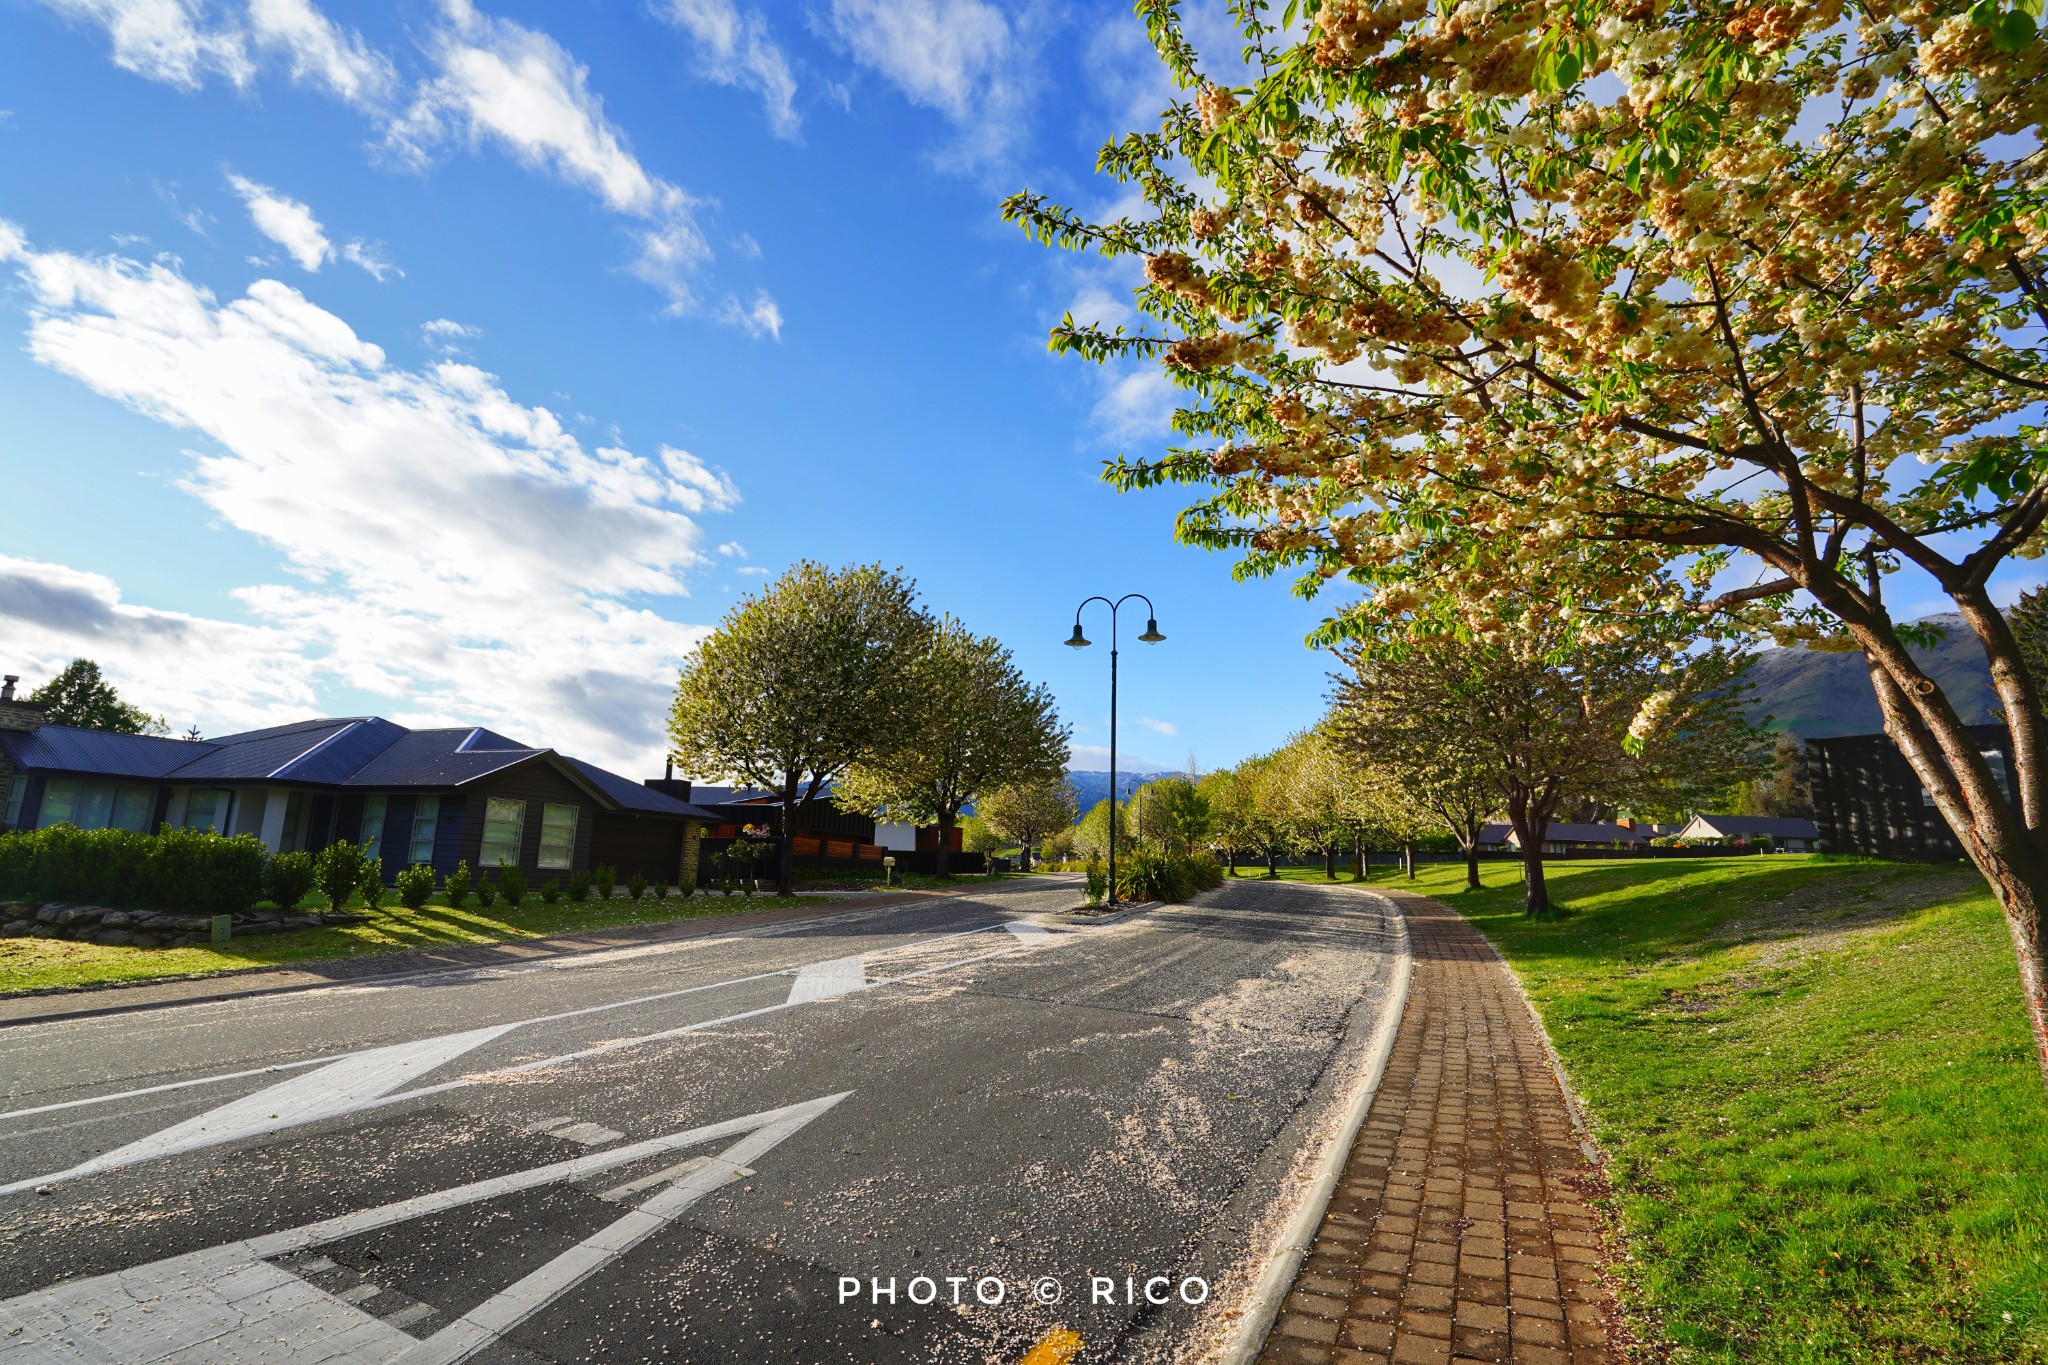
point(651, 845)
point(538, 785)
point(1866, 797)
point(450, 831)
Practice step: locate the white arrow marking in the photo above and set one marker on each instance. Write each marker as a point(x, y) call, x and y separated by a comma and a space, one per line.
point(824, 980)
point(1026, 930)
point(229, 1303)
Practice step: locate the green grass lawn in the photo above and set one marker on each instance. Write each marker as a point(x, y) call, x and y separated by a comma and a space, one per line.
point(42, 963)
point(1828, 1131)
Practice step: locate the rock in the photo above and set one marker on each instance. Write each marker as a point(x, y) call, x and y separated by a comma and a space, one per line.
point(76, 915)
point(261, 927)
point(47, 931)
point(190, 940)
point(118, 919)
point(343, 917)
point(17, 929)
point(299, 922)
point(148, 941)
point(112, 938)
point(48, 914)
point(20, 909)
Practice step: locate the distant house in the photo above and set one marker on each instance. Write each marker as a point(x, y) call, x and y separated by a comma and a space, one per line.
point(1566, 837)
point(1867, 799)
point(1789, 833)
point(410, 796)
point(820, 826)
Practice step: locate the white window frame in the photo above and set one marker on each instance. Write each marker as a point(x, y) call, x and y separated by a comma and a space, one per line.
point(486, 857)
point(547, 820)
point(213, 805)
point(372, 838)
point(426, 823)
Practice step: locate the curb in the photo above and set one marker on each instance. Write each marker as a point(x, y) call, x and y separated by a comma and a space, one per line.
point(1255, 1324)
point(398, 976)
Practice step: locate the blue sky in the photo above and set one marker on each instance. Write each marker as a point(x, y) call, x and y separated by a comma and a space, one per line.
point(463, 362)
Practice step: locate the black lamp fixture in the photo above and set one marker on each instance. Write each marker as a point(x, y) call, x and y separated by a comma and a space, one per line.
point(1077, 640)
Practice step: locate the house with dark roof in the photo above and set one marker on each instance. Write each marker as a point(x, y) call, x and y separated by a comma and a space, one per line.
point(1783, 831)
point(1564, 837)
point(438, 796)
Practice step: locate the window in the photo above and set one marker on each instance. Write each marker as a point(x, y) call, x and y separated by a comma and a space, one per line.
point(557, 835)
point(88, 805)
point(200, 806)
point(60, 800)
point(17, 792)
point(504, 823)
point(132, 807)
point(426, 819)
point(373, 823)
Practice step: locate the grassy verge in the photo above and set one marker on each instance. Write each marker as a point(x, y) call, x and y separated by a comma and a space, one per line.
point(1817, 1086)
point(28, 964)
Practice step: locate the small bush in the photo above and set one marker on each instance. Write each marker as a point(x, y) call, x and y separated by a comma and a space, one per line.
point(287, 879)
point(338, 871)
point(460, 883)
point(1205, 872)
point(687, 889)
point(1098, 880)
point(192, 871)
point(511, 884)
point(198, 871)
point(372, 887)
point(579, 885)
point(550, 892)
point(486, 893)
point(606, 878)
point(636, 886)
point(415, 884)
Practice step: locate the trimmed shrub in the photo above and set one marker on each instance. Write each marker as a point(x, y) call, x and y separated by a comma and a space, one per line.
point(579, 885)
point(287, 879)
point(338, 871)
point(200, 872)
point(1098, 880)
point(486, 893)
point(1205, 871)
point(371, 889)
point(636, 886)
point(459, 884)
point(511, 884)
point(606, 878)
point(415, 884)
point(550, 892)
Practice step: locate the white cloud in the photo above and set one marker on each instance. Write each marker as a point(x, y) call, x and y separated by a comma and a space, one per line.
point(960, 57)
point(763, 317)
point(754, 570)
point(736, 49)
point(1159, 727)
point(444, 545)
point(187, 42)
point(732, 549)
point(370, 258)
point(285, 221)
point(696, 486)
point(1137, 405)
point(1094, 758)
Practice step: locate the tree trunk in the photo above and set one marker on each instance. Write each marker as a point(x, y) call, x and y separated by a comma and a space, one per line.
point(1272, 870)
point(1329, 862)
point(1023, 857)
point(1472, 866)
point(943, 860)
point(785, 854)
point(1233, 860)
point(1408, 860)
point(1357, 859)
point(1530, 829)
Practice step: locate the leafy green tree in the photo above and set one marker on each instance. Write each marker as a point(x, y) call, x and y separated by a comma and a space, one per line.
point(975, 724)
point(1700, 305)
point(1417, 761)
point(81, 696)
point(1029, 812)
point(799, 682)
point(1171, 812)
point(1254, 806)
point(1091, 833)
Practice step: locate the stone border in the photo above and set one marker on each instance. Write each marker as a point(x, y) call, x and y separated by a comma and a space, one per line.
point(1255, 1323)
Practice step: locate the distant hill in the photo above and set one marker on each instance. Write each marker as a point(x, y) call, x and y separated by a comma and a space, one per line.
point(1090, 787)
point(1821, 695)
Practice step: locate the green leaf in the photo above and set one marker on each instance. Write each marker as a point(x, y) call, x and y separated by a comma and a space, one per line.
point(2014, 31)
point(1568, 68)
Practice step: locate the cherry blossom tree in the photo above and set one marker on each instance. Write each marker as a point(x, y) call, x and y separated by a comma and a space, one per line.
point(1730, 307)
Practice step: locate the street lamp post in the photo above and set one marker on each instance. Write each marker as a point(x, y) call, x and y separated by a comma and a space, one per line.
point(1080, 641)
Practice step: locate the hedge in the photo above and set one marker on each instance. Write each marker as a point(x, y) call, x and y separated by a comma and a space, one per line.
point(182, 870)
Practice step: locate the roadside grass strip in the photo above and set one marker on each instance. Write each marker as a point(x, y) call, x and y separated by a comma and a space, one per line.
point(1828, 1134)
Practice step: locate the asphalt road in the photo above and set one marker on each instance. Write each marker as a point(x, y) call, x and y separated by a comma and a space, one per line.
point(724, 1149)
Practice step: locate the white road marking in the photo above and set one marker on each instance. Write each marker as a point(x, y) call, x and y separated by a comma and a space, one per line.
point(172, 1085)
point(1027, 929)
point(311, 1099)
point(406, 1317)
point(825, 980)
point(589, 1134)
point(361, 1293)
point(228, 1303)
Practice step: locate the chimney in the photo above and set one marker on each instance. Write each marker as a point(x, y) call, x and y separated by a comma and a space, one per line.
point(7, 692)
point(18, 713)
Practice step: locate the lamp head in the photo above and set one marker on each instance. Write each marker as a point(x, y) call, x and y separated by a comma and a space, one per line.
point(1077, 640)
point(1151, 635)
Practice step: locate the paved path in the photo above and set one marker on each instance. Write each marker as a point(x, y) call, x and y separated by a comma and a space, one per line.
point(1460, 1230)
point(889, 1133)
point(117, 997)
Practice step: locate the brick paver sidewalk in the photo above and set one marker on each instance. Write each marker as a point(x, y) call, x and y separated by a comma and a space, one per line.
point(1459, 1230)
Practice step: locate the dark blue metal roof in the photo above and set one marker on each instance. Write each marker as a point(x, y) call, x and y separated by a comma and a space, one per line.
point(429, 758)
point(317, 751)
point(63, 748)
point(631, 795)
